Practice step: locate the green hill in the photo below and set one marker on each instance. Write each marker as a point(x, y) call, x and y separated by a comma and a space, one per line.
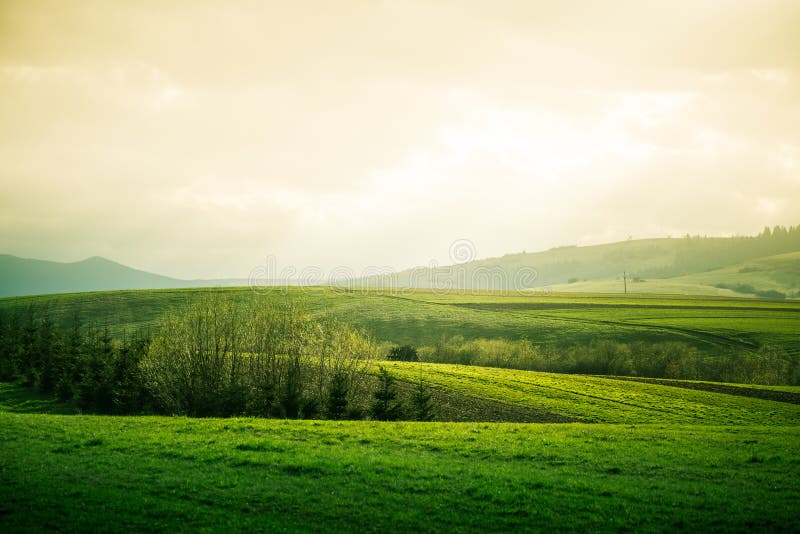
point(573, 452)
point(681, 265)
point(665, 258)
point(770, 276)
point(773, 276)
point(603, 400)
point(423, 317)
point(717, 327)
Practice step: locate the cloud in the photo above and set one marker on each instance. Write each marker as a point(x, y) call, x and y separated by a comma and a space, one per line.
point(195, 142)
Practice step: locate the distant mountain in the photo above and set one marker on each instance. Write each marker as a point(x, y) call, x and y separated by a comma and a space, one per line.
point(22, 276)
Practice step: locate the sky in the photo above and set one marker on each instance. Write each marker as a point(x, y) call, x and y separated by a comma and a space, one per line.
point(197, 140)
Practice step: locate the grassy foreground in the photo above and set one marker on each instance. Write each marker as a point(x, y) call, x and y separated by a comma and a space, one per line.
point(95, 473)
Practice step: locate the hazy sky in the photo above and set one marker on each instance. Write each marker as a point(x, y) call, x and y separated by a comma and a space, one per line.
point(194, 139)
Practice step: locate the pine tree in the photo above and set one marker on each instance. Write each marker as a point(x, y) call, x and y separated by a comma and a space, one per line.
point(7, 347)
point(421, 402)
point(336, 406)
point(291, 390)
point(26, 356)
point(47, 354)
point(385, 407)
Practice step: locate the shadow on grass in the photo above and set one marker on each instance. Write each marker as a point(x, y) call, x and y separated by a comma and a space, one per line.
point(18, 399)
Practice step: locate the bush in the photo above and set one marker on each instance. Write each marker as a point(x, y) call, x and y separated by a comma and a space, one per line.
point(269, 358)
point(403, 353)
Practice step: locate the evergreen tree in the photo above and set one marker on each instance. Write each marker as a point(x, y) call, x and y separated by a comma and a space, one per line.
point(336, 406)
point(71, 364)
point(385, 407)
point(46, 354)
point(95, 390)
point(291, 392)
point(26, 355)
point(129, 392)
point(7, 347)
point(421, 402)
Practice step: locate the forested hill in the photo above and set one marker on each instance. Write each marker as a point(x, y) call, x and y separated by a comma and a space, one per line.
point(643, 258)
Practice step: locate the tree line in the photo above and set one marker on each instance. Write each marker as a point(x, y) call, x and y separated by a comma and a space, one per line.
point(671, 359)
point(217, 357)
point(696, 253)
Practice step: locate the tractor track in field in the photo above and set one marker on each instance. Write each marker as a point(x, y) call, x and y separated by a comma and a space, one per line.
point(451, 407)
point(528, 388)
point(740, 391)
point(595, 397)
point(522, 306)
point(706, 336)
point(709, 337)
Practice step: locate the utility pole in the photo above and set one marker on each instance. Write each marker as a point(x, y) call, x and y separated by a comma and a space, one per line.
point(625, 281)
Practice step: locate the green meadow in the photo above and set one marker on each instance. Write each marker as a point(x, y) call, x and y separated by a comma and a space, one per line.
point(604, 399)
point(100, 473)
point(507, 449)
point(423, 317)
point(399, 266)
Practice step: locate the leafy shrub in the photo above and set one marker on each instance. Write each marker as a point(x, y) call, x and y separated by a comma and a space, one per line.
point(269, 359)
point(403, 353)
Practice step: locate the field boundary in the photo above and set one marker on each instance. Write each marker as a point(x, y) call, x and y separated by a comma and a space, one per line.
point(739, 391)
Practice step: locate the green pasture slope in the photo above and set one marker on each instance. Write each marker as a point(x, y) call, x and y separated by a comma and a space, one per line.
point(780, 273)
point(602, 399)
point(422, 317)
point(735, 467)
point(622, 454)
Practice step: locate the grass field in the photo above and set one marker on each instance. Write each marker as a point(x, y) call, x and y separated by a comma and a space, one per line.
point(423, 317)
point(779, 273)
point(601, 399)
point(96, 473)
point(571, 452)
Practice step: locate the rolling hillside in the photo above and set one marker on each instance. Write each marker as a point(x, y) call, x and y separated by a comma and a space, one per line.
point(509, 450)
point(648, 259)
point(424, 317)
point(772, 276)
point(779, 274)
point(689, 265)
point(591, 399)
